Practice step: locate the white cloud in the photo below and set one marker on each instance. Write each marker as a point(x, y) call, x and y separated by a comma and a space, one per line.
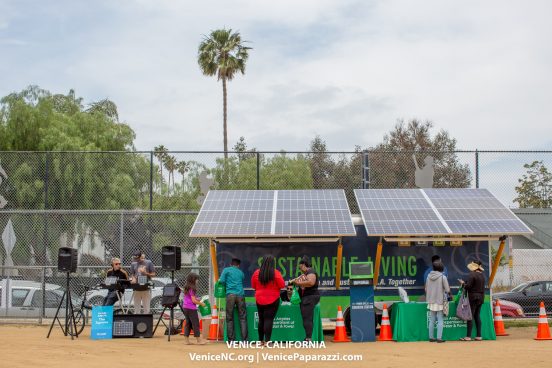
point(343, 70)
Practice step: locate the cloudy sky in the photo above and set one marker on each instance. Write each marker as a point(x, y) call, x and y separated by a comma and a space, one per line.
point(344, 70)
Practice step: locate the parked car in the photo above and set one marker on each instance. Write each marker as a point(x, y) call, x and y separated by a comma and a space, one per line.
point(96, 297)
point(509, 309)
point(529, 295)
point(23, 298)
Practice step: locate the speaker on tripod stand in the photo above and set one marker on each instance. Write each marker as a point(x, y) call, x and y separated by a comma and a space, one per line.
point(67, 262)
point(67, 259)
point(171, 261)
point(171, 258)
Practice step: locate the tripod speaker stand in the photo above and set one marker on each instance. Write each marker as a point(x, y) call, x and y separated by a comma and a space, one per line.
point(70, 326)
point(171, 292)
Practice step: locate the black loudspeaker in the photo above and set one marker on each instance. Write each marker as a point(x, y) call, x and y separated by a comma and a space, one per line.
point(133, 325)
point(171, 292)
point(171, 258)
point(67, 259)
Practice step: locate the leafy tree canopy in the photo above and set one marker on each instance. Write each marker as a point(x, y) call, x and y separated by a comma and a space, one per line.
point(392, 165)
point(535, 187)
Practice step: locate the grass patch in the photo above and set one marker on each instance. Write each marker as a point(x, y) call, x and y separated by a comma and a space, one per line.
point(522, 323)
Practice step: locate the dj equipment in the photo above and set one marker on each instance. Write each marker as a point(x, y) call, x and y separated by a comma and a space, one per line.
point(133, 325)
point(171, 258)
point(171, 292)
point(67, 259)
point(141, 284)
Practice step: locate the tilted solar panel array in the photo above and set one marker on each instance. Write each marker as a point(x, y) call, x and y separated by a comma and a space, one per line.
point(265, 213)
point(436, 212)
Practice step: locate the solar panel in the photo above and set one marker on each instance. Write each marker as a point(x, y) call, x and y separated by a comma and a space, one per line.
point(435, 212)
point(274, 213)
point(398, 212)
point(475, 212)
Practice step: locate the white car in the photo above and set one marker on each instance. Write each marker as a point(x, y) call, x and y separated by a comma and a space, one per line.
point(96, 297)
point(22, 298)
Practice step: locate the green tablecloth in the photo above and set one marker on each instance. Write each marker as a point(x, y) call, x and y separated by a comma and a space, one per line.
point(288, 324)
point(409, 322)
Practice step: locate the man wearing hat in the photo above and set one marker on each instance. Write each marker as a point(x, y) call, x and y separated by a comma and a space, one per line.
point(141, 267)
point(233, 278)
point(475, 286)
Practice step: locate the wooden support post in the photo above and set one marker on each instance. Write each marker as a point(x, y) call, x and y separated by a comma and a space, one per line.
point(339, 262)
point(214, 262)
point(496, 262)
point(378, 261)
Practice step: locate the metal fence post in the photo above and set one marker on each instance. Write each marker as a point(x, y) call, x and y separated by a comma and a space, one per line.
point(121, 237)
point(43, 301)
point(151, 181)
point(476, 168)
point(258, 171)
point(365, 170)
point(46, 179)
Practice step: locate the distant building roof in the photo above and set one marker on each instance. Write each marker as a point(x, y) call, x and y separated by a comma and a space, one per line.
point(540, 221)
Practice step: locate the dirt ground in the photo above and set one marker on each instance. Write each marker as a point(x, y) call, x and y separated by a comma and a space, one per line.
point(27, 346)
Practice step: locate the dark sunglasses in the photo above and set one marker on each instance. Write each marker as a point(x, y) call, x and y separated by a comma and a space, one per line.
point(117, 264)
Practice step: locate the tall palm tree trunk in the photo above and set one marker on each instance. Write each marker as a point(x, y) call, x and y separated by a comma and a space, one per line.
point(225, 131)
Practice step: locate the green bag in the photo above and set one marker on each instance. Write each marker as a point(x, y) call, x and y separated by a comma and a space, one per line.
point(220, 290)
point(295, 298)
point(205, 311)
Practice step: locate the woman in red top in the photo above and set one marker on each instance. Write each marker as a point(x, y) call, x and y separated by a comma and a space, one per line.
point(267, 282)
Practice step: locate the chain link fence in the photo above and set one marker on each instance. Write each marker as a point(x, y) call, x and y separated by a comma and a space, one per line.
point(29, 275)
point(111, 204)
point(170, 180)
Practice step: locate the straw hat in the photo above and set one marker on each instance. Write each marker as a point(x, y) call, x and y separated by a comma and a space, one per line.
point(475, 265)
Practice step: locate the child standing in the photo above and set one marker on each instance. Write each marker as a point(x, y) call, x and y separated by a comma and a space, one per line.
point(189, 304)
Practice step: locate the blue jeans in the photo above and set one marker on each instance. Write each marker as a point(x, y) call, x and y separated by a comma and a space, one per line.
point(439, 315)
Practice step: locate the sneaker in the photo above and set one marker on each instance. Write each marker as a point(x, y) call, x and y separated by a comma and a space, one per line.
point(432, 340)
point(440, 340)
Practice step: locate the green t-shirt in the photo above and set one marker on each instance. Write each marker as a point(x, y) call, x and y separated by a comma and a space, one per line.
point(233, 278)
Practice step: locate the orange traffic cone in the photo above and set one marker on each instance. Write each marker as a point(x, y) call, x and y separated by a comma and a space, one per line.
point(340, 331)
point(183, 325)
point(543, 331)
point(385, 327)
point(498, 323)
point(214, 328)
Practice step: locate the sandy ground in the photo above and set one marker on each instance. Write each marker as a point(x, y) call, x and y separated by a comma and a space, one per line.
point(27, 346)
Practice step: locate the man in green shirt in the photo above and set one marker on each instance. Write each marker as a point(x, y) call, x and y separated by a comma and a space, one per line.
point(233, 278)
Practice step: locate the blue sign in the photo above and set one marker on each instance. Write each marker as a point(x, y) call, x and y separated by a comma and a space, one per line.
point(362, 313)
point(102, 323)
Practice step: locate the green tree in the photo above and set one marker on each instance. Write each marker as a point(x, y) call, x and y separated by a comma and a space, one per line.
point(170, 163)
point(535, 187)
point(335, 171)
point(223, 53)
point(161, 152)
point(321, 164)
point(37, 120)
point(391, 162)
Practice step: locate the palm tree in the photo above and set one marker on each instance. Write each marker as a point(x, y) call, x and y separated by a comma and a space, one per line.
point(170, 165)
point(223, 54)
point(160, 152)
point(182, 168)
